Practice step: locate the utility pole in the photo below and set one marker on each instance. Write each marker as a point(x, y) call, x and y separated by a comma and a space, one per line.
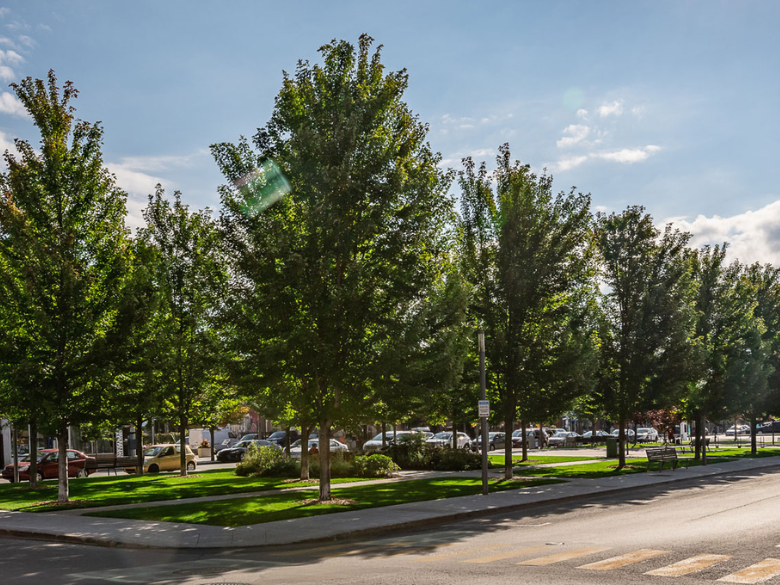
point(483, 413)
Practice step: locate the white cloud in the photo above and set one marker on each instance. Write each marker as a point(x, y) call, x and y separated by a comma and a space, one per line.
point(483, 152)
point(139, 186)
point(10, 104)
point(44, 27)
point(9, 59)
point(27, 41)
point(576, 133)
point(581, 113)
point(628, 155)
point(569, 163)
point(161, 163)
point(8, 42)
point(4, 12)
point(613, 109)
point(753, 236)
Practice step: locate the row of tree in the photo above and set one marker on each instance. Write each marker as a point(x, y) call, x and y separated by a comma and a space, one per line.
point(338, 285)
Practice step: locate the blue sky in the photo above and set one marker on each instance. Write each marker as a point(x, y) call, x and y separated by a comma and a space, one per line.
point(668, 104)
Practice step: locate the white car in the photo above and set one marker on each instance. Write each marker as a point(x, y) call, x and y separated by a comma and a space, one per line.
point(444, 439)
point(335, 446)
point(646, 435)
point(375, 444)
point(629, 434)
point(741, 430)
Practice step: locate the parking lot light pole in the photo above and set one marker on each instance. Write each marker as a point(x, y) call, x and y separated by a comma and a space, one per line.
point(484, 418)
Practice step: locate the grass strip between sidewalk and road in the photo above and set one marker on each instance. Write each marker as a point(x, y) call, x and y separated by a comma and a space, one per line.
point(132, 489)
point(286, 506)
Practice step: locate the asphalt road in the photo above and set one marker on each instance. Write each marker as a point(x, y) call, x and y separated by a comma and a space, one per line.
point(723, 529)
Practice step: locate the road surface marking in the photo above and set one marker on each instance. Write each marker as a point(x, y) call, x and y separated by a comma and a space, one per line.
point(691, 565)
point(757, 573)
point(564, 556)
point(627, 559)
point(463, 551)
point(508, 555)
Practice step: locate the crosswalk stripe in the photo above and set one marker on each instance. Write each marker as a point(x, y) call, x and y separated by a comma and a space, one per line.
point(691, 565)
point(757, 573)
point(507, 555)
point(464, 551)
point(627, 559)
point(564, 556)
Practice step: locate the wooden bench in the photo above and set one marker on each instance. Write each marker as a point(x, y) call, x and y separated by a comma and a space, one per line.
point(661, 455)
point(109, 461)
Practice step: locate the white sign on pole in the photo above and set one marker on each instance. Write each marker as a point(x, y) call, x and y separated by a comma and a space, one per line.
point(484, 408)
point(120, 447)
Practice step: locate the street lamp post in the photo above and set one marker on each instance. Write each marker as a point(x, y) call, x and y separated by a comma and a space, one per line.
point(483, 418)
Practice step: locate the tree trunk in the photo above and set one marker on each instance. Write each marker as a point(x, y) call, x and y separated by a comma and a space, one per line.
point(384, 437)
point(753, 422)
point(593, 436)
point(305, 430)
point(508, 471)
point(211, 441)
point(697, 436)
point(15, 451)
point(32, 442)
point(182, 446)
point(325, 461)
point(287, 441)
point(621, 444)
point(454, 434)
point(542, 437)
point(525, 441)
point(139, 445)
point(62, 464)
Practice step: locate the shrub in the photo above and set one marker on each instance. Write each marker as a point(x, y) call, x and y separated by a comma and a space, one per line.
point(340, 465)
point(448, 459)
point(267, 462)
point(375, 466)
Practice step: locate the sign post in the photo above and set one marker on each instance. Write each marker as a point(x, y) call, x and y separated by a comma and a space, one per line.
point(484, 412)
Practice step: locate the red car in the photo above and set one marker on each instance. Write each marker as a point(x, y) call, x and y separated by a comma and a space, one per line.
point(48, 460)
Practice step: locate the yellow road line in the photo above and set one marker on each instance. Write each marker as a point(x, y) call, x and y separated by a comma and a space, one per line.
point(757, 573)
point(564, 556)
point(691, 565)
point(461, 552)
point(628, 559)
point(508, 555)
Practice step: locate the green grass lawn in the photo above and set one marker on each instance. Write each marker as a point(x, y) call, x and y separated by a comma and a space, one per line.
point(608, 468)
point(534, 459)
point(243, 511)
point(129, 489)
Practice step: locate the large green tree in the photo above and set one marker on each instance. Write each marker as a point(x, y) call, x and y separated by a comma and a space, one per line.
point(189, 277)
point(647, 315)
point(527, 253)
point(66, 261)
point(335, 274)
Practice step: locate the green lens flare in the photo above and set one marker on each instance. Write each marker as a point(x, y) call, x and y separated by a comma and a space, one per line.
point(262, 187)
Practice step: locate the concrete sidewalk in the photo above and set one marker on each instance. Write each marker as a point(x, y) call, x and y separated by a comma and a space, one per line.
point(375, 521)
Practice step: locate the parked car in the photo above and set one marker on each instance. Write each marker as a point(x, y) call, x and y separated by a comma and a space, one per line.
point(741, 430)
point(601, 436)
point(629, 434)
point(533, 438)
point(496, 440)
point(249, 437)
point(238, 452)
point(278, 437)
point(646, 435)
point(444, 439)
point(165, 458)
point(772, 426)
point(559, 438)
point(48, 465)
point(375, 444)
point(335, 446)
